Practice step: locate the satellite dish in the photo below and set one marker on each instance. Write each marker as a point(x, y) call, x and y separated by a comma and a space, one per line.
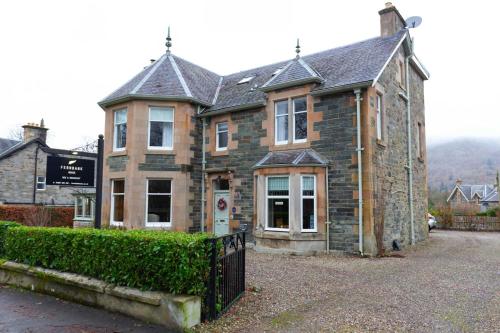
point(413, 22)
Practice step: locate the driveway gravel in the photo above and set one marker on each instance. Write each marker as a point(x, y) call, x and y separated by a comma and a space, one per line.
point(450, 283)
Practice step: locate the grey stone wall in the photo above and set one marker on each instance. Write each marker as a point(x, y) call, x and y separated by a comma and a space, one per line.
point(390, 161)
point(337, 145)
point(117, 163)
point(17, 180)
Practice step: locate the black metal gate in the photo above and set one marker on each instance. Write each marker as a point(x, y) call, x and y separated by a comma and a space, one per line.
point(226, 283)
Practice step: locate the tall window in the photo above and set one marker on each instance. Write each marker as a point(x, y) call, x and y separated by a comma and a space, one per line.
point(159, 202)
point(120, 130)
point(379, 117)
point(420, 141)
point(299, 119)
point(117, 201)
point(221, 136)
point(161, 127)
point(278, 200)
point(40, 183)
point(281, 122)
point(308, 188)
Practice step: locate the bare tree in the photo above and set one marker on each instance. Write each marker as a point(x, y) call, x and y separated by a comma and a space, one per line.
point(16, 134)
point(89, 146)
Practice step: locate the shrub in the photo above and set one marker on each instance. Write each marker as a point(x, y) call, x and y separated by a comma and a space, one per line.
point(4, 225)
point(173, 262)
point(38, 215)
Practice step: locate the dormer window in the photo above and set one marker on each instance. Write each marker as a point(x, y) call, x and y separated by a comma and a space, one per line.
point(246, 79)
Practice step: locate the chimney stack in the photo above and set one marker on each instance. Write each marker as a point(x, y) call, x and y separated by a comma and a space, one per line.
point(34, 131)
point(459, 182)
point(391, 20)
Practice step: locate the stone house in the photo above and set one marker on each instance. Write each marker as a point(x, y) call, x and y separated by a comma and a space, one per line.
point(477, 198)
point(308, 154)
point(23, 174)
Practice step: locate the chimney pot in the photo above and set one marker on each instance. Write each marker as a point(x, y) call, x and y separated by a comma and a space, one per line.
point(388, 5)
point(34, 131)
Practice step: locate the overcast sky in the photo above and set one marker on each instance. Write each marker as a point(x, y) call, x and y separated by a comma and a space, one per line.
point(59, 58)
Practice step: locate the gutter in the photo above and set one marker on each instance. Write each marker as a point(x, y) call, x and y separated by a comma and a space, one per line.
point(359, 149)
point(130, 97)
point(342, 88)
point(233, 108)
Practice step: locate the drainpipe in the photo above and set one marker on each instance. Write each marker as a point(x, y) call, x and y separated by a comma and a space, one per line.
point(410, 161)
point(328, 222)
point(203, 162)
point(359, 149)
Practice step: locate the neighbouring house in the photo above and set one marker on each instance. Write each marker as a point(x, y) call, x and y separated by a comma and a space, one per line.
point(478, 198)
point(312, 152)
point(31, 173)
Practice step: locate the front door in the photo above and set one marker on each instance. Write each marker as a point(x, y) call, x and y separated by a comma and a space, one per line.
point(221, 213)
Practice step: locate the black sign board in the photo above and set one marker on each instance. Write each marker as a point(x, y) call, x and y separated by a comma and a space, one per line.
point(75, 172)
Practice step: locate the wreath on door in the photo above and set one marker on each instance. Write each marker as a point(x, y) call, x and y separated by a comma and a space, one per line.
point(221, 204)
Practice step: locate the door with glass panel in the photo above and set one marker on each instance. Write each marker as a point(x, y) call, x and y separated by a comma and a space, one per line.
point(221, 212)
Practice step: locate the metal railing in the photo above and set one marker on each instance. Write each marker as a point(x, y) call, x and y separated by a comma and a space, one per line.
point(226, 282)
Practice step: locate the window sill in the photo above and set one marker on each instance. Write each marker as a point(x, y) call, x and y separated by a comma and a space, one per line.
point(161, 225)
point(160, 151)
point(116, 224)
point(118, 153)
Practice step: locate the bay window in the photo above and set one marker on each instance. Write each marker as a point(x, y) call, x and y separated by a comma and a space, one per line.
point(117, 201)
point(281, 122)
point(120, 130)
point(161, 128)
point(308, 203)
point(221, 136)
point(299, 119)
point(159, 202)
point(278, 203)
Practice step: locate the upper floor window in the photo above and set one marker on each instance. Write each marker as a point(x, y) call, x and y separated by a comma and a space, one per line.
point(281, 122)
point(379, 117)
point(40, 183)
point(299, 119)
point(221, 136)
point(120, 129)
point(161, 128)
point(294, 122)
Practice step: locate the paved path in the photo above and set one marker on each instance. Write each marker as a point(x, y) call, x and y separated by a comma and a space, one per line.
point(449, 284)
point(27, 312)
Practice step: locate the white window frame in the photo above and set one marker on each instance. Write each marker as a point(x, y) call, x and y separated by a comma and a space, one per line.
point(38, 182)
point(90, 216)
point(293, 119)
point(111, 221)
point(379, 119)
point(302, 197)
point(284, 142)
point(217, 132)
point(149, 129)
point(277, 197)
point(115, 133)
point(159, 224)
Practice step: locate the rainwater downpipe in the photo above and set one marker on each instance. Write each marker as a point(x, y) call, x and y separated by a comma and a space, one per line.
point(410, 161)
point(203, 162)
point(328, 222)
point(359, 149)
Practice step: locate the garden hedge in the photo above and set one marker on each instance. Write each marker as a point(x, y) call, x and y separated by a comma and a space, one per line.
point(59, 216)
point(4, 225)
point(173, 262)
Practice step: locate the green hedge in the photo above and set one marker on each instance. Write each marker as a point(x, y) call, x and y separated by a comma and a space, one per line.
point(173, 262)
point(4, 225)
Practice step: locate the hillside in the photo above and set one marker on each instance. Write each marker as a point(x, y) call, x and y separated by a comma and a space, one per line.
point(472, 160)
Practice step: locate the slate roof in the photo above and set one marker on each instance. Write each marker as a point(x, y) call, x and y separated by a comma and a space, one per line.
point(299, 157)
point(486, 192)
point(171, 77)
point(6, 144)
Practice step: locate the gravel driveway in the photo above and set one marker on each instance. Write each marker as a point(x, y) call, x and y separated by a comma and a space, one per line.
point(449, 284)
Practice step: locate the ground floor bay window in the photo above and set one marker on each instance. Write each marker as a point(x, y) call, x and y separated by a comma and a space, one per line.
point(159, 203)
point(278, 203)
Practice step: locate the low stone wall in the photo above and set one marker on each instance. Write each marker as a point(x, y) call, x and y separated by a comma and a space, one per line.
point(177, 312)
point(473, 223)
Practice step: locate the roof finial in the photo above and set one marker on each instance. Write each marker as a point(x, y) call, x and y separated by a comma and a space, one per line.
point(297, 49)
point(168, 44)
